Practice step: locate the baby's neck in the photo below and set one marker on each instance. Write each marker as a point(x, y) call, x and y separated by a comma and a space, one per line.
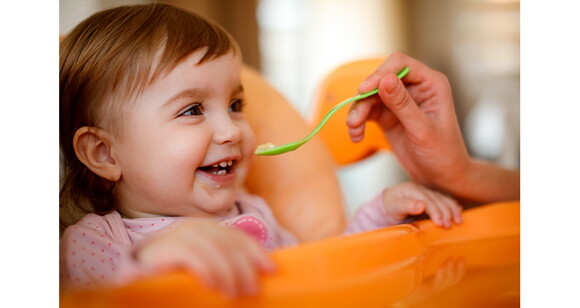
point(234, 210)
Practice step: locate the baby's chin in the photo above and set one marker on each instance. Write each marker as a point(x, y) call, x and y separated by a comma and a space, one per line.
point(218, 203)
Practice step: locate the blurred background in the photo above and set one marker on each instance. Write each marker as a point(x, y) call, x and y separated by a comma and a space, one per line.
point(295, 43)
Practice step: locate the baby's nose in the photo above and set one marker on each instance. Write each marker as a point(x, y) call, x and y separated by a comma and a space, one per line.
point(227, 132)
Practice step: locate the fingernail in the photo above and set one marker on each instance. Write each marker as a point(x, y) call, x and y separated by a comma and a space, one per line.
point(391, 85)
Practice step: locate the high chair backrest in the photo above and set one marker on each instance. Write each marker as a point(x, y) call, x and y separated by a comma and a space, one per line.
point(338, 85)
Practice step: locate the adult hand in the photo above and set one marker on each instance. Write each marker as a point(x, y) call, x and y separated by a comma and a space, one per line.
point(418, 118)
point(222, 258)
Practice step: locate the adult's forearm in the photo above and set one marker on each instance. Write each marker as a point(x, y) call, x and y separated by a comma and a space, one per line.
point(485, 182)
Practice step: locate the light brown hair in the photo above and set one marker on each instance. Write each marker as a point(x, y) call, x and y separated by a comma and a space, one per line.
point(104, 61)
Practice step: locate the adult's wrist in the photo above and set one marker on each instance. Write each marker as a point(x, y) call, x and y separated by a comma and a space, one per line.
point(460, 179)
point(485, 182)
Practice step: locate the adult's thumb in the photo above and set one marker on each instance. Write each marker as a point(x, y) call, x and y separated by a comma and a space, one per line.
point(395, 96)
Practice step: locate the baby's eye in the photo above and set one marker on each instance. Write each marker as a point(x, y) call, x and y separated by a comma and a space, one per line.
point(237, 105)
point(193, 110)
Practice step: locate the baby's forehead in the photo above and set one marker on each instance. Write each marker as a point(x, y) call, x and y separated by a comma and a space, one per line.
point(194, 78)
point(195, 62)
point(149, 72)
point(192, 61)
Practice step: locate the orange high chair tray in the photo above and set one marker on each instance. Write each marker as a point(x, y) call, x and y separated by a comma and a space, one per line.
point(475, 264)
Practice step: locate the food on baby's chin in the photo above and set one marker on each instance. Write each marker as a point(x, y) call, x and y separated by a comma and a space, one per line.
point(264, 147)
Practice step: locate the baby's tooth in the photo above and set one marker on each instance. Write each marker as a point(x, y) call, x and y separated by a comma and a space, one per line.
point(214, 165)
point(223, 164)
point(230, 163)
point(221, 172)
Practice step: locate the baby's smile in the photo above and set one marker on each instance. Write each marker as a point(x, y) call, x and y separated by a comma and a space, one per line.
point(219, 174)
point(221, 168)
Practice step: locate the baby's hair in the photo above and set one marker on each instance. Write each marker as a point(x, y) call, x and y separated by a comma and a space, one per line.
point(107, 60)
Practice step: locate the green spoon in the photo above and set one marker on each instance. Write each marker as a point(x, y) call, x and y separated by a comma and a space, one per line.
point(268, 149)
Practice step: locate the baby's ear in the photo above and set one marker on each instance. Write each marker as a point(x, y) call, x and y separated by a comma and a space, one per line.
point(93, 148)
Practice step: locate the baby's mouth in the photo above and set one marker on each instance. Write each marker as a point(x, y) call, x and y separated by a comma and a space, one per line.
point(221, 168)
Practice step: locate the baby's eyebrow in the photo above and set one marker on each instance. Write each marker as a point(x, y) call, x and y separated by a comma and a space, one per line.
point(238, 89)
point(197, 93)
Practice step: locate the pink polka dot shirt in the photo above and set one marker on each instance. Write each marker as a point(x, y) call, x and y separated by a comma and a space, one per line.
point(97, 251)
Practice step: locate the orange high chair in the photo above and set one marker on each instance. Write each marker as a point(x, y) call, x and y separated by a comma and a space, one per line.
point(338, 85)
point(475, 264)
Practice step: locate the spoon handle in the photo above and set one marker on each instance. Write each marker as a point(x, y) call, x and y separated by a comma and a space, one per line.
point(401, 74)
point(335, 109)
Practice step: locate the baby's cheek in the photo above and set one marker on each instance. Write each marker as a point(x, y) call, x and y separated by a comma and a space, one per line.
point(248, 146)
point(249, 142)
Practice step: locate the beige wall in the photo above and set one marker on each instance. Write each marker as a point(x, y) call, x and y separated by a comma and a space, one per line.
point(237, 17)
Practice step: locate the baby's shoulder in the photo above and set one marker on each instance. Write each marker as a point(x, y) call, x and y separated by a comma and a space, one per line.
point(93, 225)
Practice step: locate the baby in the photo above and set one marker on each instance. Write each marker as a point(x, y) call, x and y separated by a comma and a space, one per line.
point(157, 148)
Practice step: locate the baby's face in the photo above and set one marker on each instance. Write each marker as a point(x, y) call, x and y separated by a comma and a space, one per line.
point(185, 145)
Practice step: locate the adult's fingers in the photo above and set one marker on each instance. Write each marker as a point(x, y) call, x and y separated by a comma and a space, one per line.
point(396, 97)
point(359, 111)
point(373, 80)
point(357, 134)
point(370, 109)
point(393, 64)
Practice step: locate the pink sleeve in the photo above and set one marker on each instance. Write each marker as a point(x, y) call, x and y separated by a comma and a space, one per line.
point(370, 216)
point(95, 252)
